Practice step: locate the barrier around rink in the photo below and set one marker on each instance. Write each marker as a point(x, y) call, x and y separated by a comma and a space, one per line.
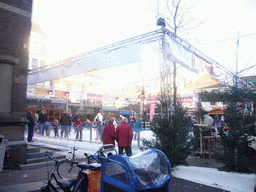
point(91, 134)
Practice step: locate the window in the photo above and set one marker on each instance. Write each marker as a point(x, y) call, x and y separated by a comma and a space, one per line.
point(36, 106)
point(45, 106)
point(34, 63)
point(212, 103)
point(42, 63)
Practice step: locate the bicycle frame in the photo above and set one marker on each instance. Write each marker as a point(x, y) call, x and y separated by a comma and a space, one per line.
point(65, 186)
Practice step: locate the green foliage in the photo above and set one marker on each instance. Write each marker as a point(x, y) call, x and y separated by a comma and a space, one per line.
point(172, 136)
point(234, 152)
point(196, 140)
point(212, 96)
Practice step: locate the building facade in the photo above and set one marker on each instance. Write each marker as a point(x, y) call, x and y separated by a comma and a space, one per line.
point(15, 24)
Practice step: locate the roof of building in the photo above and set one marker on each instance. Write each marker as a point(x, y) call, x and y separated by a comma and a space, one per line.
point(204, 82)
point(250, 79)
point(216, 111)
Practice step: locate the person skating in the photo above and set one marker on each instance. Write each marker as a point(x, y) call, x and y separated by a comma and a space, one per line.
point(65, 122)
point(79, 130)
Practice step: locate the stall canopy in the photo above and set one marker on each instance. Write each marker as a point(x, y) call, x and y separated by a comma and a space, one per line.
point(125, 112)
point(218, 111)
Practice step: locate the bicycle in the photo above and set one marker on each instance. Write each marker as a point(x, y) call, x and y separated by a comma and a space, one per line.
point(80, 184)
point(104, 151)
point(67, 168)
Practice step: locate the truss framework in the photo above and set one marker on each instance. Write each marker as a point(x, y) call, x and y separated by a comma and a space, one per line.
point(166, 75)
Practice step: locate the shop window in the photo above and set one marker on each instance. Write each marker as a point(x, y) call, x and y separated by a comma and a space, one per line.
point(63, 107)
point(57, 113)
point(28, 106)
point(51, 113)
point(45, 106)
point(36, 106)
point(51, 106)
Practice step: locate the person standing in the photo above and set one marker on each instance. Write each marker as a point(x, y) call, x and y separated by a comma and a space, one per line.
point(208, 120)
point(31, 124)
point(36, 123)
point(137, 125)
point(42, 120)
point(99, 128)
point(55, 127)
point(99, 120)
point(109, 133)
point(79, 130)
point(124, 137)
point(65, 122)
point(88, 122)
point(75, 117)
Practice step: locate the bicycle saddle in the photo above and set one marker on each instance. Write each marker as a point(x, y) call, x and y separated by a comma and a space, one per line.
point(66, 184)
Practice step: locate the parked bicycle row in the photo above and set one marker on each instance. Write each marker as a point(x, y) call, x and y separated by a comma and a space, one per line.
point(108, 171)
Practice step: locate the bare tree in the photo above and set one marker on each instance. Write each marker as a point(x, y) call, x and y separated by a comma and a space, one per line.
point(178, 23)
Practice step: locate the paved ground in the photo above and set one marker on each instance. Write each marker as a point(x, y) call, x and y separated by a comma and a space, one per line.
point(32, 178)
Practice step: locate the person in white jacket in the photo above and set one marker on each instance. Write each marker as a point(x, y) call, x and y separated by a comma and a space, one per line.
point(208, 120)
point(99, 118)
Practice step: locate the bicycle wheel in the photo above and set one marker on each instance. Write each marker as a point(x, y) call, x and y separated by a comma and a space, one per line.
point(82, 186)
point(67, 169)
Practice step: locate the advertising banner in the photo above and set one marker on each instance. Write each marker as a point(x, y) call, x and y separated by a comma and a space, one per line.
point(176, 52)
point(152, 111)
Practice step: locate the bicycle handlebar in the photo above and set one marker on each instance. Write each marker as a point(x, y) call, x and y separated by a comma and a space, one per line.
point(48, 155)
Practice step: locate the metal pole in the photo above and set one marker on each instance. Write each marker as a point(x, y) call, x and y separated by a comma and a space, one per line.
point(90, 135)
point(139, 139)
point(237, 43)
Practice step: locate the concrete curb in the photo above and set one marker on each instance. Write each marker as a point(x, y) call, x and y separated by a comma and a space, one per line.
point(225, 180)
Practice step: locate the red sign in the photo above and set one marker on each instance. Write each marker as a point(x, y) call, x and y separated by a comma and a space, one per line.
point(148, 102)
point(152, 111)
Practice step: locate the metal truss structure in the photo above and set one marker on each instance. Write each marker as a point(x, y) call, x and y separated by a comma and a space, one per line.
point(154, 36)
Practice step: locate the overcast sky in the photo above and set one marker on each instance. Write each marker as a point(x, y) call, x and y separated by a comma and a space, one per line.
point(77, 26)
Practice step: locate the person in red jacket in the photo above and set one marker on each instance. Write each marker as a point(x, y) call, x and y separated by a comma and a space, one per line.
point(124, 137)
point(79, 130)
point(109, 133)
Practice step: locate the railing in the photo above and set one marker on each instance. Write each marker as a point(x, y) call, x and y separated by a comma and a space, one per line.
point(89, 133)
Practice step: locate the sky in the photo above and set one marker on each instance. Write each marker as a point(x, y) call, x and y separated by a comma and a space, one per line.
point(77, 26)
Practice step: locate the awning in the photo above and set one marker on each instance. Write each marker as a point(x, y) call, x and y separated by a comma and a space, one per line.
point(104, 108)
point(218, 111)
point(126, 113)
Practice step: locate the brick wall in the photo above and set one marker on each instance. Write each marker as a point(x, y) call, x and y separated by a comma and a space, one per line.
point(15, 25)
point(15, 32)
point(12, 133)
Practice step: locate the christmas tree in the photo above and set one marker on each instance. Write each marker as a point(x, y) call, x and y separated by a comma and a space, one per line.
point(235, 151)
point(172, 134)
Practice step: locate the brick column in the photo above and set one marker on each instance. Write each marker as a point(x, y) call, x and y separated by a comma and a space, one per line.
point(15, 17)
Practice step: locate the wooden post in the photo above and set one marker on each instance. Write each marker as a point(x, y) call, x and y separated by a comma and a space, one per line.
point(201, 142)
point(201, 137)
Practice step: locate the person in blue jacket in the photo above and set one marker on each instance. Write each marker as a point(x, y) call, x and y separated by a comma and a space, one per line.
point(137, 125)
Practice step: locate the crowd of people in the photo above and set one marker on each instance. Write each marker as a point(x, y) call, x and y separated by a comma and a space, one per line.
point(108, 131)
